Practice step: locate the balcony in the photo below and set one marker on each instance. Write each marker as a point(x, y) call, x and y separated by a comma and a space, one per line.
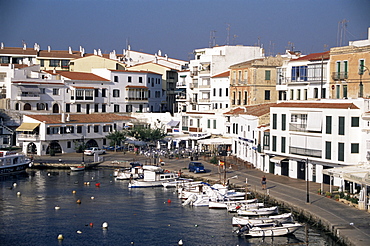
point(339, 75)
point(204, 100)
point(205, 86)
point(28, 137)
point(28, 97)
point(305, 152)
point(296, 127)
point(193, 85)
point(136, 99)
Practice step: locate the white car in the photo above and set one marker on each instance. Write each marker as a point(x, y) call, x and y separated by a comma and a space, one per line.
point(93, 150)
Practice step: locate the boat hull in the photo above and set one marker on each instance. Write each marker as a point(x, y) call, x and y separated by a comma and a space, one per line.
point(283, 230)
point(14, 168)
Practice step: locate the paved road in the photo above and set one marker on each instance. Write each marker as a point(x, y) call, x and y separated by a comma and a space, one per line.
point(348, 223)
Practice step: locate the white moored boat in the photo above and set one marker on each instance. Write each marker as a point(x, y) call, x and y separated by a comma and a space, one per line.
point(77, 168)
point(258, 211)
point(268, 229)
point(242, 221)
point(13, 162)
point(130, 173)
point(153, 177)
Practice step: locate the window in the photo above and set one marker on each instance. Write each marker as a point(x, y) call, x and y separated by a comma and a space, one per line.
point(291, 94)
point(214, 124)
point(104, 92)
point(115, 93)
point(54, 63)
point(273, 143)
point(283, 122)
point(115, 78)
point(96, 92)
point(299, 73)
point(79, 108)
point(361, 67)
point(68, 107)
point(267, 94)
point(328, 125)
point(140, 79)
point(340, 151)
point(104, 108)
point(283, 141)
point(299, 94)
point(116, 108)
point(267, 75)
point(96, 128)
point(355, 148)
point(55, 91)
point(214, 92)
point(341, 126)
point(220, 92)
point(327, 150)
point(227, 92)
point(65, 63)
point(338, 91)
point(345, 91)
point(96, 107)
point(208, 123)
point(79, 129)
point(315, 93)
point(274, 121)
point(245, 97)
point(129, 79)
point(42, 90)
point(355, 121)
point(69, 144)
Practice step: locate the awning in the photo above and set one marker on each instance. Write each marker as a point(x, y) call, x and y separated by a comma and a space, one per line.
point(27, 127)
point(216, 141)
point(29, 89)
point(173, 123)
point(277, 159)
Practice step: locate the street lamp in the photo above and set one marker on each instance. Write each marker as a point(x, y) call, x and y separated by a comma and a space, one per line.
point(306, 177)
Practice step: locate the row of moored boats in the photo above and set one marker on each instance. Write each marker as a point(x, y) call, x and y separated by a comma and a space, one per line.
point(253, 218)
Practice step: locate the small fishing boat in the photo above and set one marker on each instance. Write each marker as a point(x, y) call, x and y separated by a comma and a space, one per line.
point(231, 205)
point(177, 183)
point(77, 168)
point(242, 220)
point(258, 211)
point(267, 229)
point(13, 162)
point(130, 173)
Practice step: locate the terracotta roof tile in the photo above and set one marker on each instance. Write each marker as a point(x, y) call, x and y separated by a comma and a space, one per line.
point(78, 75)
point(314, 57)
point(81, 118)
point(316, 105)
point(255, 110)
point(222, 75)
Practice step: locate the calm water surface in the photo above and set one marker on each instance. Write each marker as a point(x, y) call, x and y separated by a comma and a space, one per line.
point(135, 216)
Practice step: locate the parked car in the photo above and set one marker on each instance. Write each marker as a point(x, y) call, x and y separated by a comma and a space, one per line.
point(196, 167)
point(93, 150)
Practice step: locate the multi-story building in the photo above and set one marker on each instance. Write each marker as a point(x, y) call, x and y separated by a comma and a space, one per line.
point(304, 78)
point(350, 66)
point(307, 137)
point(63, 133)
point(253, 81)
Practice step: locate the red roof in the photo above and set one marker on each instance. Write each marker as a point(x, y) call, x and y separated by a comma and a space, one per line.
point(222, 75)
point(316, 105)
point(314, 57)
point(81, 118)
point(78, 75)
point(255, 110)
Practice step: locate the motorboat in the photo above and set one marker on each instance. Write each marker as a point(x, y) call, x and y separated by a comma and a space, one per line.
point(234, 205)
point(77, 168)
point(243, 220)
point(130, 173)
point(13, 162)
point(258, 211)
point(153, 177)
point(177, 183)
point(267, 229)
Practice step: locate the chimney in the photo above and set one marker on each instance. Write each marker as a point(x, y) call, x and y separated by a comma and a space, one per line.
point(69, 50)
point(99, 52)
point(49, 48)
point(83, 52)
point(36, 47)
point(95, 52)
point(2, 45)
point(24, 46)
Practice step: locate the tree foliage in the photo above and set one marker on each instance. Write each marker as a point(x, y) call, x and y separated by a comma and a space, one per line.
point(147, 134)
point(116, 137)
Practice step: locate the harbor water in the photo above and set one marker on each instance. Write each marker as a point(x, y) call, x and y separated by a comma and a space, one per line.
point(37, 207)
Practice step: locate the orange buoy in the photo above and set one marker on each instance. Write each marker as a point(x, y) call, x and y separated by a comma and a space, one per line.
point(91, 224)
point(97, 184)
point(78, 201)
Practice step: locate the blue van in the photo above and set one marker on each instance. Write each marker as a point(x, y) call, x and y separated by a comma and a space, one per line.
point(196, 167)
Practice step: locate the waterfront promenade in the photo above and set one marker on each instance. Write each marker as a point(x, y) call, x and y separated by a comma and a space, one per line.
point(349, 224)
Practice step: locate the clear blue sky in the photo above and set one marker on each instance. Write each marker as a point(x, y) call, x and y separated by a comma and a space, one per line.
point(177, 27)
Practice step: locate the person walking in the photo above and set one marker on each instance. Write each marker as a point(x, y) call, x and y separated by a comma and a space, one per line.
point(263, 182)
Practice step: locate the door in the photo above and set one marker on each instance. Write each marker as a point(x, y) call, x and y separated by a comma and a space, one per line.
point(285, 168)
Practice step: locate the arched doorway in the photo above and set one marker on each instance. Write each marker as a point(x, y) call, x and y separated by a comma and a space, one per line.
point(56, 108)
point(31, 148)
point(54, 147)
point(91, 143)
point(27, 106)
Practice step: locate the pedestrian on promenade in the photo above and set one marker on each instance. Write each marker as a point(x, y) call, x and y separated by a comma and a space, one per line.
point(263, 182)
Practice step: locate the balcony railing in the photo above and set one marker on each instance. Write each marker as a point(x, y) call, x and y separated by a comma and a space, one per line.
point(204, 100)
point(28, 137)
point(305, 152)
point(137, 98)
point(339, 75)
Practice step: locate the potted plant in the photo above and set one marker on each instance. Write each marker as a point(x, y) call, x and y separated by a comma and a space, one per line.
point(328, 194)
point(336, 197)
point(319, 191)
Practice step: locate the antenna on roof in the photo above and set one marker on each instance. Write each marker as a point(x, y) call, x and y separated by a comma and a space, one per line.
point(341, 35)
point(228, 34)
point(212, 39)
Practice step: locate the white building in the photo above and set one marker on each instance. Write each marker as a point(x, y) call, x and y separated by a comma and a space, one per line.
point(38, 134)
point(307, 137)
